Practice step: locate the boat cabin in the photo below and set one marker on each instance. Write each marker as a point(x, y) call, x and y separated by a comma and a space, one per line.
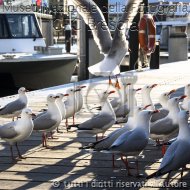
point(19, 33)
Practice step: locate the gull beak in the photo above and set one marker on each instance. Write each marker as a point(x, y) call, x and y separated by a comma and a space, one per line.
point(155, 111)
point(66, 95)
point(82, 87)
point(111, 92)
point(77, 90)
point(56, 97)
point(172, 91)
point(138, 89)
point(128, 84)
point(32, 114)
point(27, 90)
point(182, 97)
point(154, 85)
point(146, 107)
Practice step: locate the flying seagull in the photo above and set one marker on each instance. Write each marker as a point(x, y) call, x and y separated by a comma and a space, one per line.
point(114, 49)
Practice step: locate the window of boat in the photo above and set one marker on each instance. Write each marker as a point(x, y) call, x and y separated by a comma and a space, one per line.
point(3, 28)
point(23, 26)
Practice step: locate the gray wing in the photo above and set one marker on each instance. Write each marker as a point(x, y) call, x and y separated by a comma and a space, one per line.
point(160, 115)
point(8, 130)
point(130, 141)
point(108, 141)
point(44, 122)
point(12, 107)
point(97, 122)
point(177, 155)
point(163, 126)
point(122, 111)
point(115, 102)
point(94, 18)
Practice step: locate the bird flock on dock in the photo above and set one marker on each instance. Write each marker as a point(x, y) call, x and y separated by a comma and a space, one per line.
point(141, 124)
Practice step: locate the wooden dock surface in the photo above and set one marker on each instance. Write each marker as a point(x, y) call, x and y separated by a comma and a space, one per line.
point(64, 166)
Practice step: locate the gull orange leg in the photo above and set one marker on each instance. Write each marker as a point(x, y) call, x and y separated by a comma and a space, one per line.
point(110, 82)
point(113, 161)
point(12, 155)
point(117, 85)
point(163, 149)
point(44, 140)
point(19, 154)
point(66, 124)
point(73, 119)
point(125, 161)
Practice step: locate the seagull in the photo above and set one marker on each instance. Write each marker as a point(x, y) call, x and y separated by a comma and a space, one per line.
point(49, 120)
point(114, 49)
point(60, 104)
point(146, 99)
point(79, 98)
point(186, 101)
point(70, 105)
point(118, 101)
point(166, 128)
point(101, 122)
point(133, 142)
point(163, 112)
point(164, 97)
point(106, 142)
point(14, 109)
point(123, 110)
point(18, 131)
point(178, 154)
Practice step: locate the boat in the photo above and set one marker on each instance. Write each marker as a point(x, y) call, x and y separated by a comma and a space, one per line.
point(25, 59)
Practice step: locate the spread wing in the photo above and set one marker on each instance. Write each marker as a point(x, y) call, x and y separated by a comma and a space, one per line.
point(120, 44)
point(110, 64)
point(94, 18)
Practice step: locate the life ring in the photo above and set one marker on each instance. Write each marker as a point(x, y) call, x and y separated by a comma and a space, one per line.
point(147, 34)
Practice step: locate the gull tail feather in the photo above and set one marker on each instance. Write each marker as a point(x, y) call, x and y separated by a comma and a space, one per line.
point(92, 145)
point(155, 174)
point(107, 67)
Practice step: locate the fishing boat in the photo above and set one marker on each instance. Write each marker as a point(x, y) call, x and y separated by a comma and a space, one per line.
point(25, 59)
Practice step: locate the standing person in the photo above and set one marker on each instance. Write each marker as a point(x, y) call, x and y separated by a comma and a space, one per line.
point(68, 30)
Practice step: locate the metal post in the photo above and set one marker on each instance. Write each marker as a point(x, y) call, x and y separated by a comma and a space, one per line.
point(82, 45)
